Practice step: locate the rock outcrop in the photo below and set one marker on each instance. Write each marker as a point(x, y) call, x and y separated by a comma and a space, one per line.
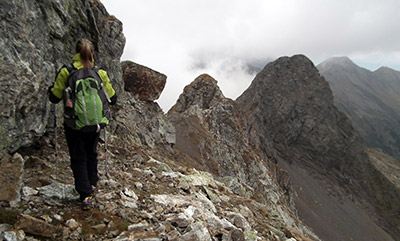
point(145, 83)
point(212, 130)
point(141, 123)
point(293, 114)
point(37, 38)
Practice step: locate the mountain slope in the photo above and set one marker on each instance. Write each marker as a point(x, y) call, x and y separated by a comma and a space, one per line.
point(295, 121)
point(369, 99)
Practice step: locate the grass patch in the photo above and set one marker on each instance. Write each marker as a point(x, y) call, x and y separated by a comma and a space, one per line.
point(8, 216)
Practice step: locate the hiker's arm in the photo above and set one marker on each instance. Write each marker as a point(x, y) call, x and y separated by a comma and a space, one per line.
point(108, 87)
point(56, 92)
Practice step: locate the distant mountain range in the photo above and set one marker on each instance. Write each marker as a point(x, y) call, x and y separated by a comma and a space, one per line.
point(370, 99)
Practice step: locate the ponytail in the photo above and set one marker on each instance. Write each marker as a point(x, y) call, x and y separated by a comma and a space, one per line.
point(85, 48)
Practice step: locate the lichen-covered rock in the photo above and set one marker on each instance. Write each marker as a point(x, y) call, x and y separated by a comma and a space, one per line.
point(36, 39)
point(143, 82)
point(59, 190)
point(13, 235)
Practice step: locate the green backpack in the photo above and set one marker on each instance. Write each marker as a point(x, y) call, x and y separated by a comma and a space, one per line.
point(85, 100)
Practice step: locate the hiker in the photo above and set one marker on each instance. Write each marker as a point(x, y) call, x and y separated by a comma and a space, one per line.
point(84, 89)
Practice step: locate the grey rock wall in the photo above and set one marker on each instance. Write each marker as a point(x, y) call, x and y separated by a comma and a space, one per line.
point(36, 39)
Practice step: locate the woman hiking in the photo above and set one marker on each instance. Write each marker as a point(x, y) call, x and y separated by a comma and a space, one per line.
point(85, 90)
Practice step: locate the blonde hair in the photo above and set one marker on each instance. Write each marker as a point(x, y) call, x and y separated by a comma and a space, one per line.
point(85, 48)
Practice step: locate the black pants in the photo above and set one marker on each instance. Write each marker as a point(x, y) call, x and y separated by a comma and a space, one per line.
point(82, 149)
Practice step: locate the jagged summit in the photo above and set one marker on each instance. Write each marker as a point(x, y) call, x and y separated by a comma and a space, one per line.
point(293, 107)
point(203, 91)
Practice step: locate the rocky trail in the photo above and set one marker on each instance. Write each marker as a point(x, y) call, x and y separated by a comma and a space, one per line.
point(140, 196)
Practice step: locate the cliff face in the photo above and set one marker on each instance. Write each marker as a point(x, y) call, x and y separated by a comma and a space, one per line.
point(37, 38)
point(292, 111)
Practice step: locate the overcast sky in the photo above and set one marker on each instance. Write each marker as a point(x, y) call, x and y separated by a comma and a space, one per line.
point(185, 38)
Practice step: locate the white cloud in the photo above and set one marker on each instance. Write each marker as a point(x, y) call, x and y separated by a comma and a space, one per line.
point(173, 36)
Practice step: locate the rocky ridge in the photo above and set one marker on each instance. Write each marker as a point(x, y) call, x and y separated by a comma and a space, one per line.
point(292, 111)
point(201, 173)
point(213, 132)
point(145, 193)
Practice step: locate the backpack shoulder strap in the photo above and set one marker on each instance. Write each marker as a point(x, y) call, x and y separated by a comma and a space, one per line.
point(70, 67)
point(103, 93)
point(96, 70)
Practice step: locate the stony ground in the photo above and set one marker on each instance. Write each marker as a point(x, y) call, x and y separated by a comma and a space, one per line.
point(142, 195)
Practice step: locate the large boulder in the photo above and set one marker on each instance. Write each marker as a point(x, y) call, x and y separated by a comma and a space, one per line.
point(36, 39)
point(145, 83)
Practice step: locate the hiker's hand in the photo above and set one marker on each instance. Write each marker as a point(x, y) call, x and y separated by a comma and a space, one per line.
point(50, 87)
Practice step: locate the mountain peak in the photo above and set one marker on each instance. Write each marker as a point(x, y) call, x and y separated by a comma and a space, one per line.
point(203, 91)
point(281, 97)
point(387, 70)
point(202, 81)
point(343, 61)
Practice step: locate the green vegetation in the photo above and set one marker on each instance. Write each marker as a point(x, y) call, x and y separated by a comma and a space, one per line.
point(8, 216)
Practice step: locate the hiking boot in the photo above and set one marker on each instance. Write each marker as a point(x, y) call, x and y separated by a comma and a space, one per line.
point(87, 203)
point(94, 190)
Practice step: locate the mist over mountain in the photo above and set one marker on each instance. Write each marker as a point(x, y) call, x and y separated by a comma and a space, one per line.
point(370, 99)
